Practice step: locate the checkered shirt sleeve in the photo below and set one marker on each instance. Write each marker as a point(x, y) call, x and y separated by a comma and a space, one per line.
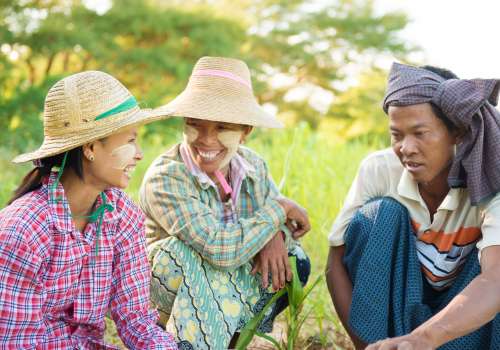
point(172, 199)
point(50, 298)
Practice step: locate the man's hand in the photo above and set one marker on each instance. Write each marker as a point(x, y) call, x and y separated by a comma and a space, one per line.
point(407, 342)
point(275, 256)
point(295, 212)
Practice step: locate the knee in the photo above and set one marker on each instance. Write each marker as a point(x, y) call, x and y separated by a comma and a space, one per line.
point(365, 217)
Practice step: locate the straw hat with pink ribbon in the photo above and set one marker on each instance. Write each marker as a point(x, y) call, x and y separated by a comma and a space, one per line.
point(220, 89)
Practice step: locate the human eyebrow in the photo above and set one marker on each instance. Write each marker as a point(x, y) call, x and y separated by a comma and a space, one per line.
point(392, 128)
point(420, 125)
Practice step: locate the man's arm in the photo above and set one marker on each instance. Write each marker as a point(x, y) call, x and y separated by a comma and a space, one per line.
point(475, 306)
point(341, 288)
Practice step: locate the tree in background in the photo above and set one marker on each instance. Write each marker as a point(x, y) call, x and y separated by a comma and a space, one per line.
point(299, 52)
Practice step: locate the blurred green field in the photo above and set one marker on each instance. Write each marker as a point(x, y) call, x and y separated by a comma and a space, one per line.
point(319, 178)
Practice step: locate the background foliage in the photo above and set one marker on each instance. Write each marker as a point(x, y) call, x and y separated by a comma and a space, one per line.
point(301, 53)
point(313, 63)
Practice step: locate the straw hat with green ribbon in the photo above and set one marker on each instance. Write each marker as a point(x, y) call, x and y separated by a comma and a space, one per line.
point(85, 107)
point(220, 90)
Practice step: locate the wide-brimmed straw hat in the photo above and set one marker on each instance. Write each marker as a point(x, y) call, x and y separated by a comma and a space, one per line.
point(220, 89)
point(85, 107)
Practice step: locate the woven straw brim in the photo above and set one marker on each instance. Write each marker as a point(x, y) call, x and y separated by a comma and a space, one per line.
point(115, 124)
point(223, 106)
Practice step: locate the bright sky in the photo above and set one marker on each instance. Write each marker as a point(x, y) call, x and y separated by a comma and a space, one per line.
point(460, 35)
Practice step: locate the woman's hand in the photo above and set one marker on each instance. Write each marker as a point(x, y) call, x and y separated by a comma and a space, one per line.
point(275, 256)
point(295, 212)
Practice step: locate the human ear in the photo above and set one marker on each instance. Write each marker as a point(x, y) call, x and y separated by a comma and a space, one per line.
point(89, 150)
point(246, 132)
point(459, 135)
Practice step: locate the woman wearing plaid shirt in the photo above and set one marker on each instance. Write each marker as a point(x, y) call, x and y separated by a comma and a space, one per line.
point(214, 216)
point(72, 243)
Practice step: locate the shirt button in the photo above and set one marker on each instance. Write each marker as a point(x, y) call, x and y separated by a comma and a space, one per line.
point(427, 231)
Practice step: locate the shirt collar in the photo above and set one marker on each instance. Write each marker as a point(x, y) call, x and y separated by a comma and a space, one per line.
point(62, 221)
point(238, 164)
point(409, 189)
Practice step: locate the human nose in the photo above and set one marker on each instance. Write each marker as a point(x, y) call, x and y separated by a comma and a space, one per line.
point(207, 137)
point(408, 146)
point(139, 155)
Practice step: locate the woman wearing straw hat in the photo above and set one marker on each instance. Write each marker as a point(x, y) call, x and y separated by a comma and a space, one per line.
point(72, 243)
point(214, 215)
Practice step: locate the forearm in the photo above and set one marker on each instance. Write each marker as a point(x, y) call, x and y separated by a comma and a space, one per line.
point(475, 306)
point(232, 246)
point(341, 288)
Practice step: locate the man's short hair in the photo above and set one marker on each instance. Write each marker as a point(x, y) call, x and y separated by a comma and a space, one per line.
point(447, 74)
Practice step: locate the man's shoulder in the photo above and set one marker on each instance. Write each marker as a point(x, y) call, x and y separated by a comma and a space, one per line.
point(385, 158)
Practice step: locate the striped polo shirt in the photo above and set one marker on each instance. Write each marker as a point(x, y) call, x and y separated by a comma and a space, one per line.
point(443, 245)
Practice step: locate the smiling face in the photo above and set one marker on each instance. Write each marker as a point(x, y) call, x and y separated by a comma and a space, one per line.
point(424, 145)
point(211, 144)
point(114, 158)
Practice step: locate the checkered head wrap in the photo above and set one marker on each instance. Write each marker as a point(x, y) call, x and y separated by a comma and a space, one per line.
point(469, 104)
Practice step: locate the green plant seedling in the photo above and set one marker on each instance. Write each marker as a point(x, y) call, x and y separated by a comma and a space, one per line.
point(247, 332)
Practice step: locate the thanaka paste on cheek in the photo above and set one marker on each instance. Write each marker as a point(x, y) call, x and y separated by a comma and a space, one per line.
point(230, 140)
point(190, 136)
point(121, 156)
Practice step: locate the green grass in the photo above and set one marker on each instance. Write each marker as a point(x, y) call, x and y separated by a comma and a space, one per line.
point(319, 178)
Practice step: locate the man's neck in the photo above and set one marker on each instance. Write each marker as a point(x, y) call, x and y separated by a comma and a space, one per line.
point(434, 192)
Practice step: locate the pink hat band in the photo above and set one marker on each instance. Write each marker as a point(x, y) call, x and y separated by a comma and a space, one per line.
point(220, 73)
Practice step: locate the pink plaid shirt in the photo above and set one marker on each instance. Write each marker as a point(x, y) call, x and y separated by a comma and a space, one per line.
point(51, 298)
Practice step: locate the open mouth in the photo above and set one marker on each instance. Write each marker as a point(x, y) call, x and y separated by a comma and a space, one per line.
point(127, 171)
point(413, 166)
point(208, 155)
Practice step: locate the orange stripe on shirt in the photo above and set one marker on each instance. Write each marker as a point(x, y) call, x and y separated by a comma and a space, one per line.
point(438, 279)
point(415, 226)
point(443, 241)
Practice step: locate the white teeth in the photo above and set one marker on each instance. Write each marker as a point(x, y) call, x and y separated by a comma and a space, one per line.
point(209, 155)
point(128, 169)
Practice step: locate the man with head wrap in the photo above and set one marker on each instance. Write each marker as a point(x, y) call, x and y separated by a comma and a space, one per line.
point(403, 262)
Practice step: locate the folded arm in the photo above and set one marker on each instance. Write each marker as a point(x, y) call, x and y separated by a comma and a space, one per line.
point(176, 205)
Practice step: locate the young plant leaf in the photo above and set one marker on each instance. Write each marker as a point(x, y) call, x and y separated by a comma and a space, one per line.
point(247, 334)
point(268, 338)
point(297, 294)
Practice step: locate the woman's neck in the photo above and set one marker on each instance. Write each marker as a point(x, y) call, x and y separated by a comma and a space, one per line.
point(81, 196)
point(225, 172)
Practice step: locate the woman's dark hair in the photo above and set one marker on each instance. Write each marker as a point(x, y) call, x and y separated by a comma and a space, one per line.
point(34, 178)
point(447, 74)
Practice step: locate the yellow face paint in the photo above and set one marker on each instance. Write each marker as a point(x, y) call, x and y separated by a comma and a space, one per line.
point(230, 140)
point(190, 134)
point(121, 156)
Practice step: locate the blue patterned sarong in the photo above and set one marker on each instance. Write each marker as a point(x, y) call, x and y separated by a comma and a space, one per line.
point(391, 297)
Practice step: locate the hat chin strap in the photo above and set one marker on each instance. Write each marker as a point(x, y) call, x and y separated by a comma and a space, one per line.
point(99, 212)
